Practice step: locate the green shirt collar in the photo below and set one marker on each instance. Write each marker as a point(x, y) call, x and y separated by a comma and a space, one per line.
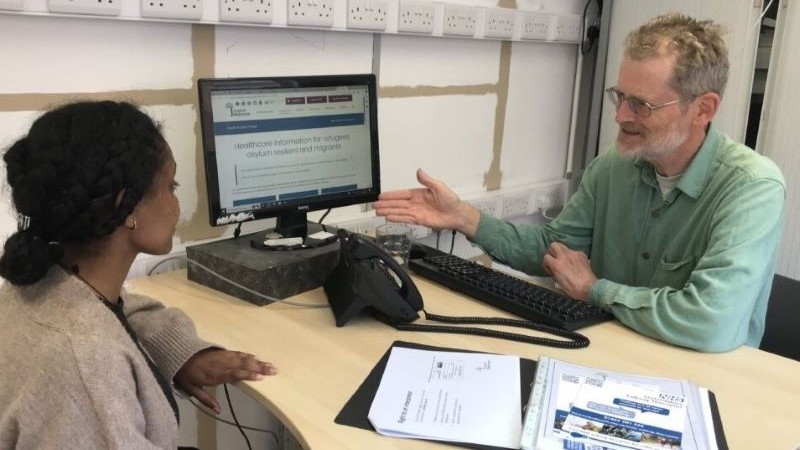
point(698, 174)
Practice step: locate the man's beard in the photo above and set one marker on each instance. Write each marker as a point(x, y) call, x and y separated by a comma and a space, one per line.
point(652, 148)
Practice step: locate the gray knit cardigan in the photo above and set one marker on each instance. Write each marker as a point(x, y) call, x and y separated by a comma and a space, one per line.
point(73, 378)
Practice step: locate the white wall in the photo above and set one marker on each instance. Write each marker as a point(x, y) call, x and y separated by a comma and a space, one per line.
point(778, 132)
point(500, 110)
point(480, 114)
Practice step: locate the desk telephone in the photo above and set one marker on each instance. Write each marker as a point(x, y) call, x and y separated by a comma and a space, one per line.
point(368, 279)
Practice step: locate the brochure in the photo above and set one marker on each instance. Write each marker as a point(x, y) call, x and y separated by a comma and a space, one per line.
point(627, 414)
point(562, 401)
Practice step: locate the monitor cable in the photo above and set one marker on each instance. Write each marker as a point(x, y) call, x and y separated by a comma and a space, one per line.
point(324, 216)
point(452, 240)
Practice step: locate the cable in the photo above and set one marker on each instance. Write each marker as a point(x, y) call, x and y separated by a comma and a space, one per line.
point(546, 216)
point(585, 50)
point(324, 216)
point(240, 286)
point(573, 339)
point(203, 409)
point(233, 414)
point(755, 26)
point(763, 13)
point(452, 240)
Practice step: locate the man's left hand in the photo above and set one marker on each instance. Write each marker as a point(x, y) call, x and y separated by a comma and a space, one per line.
point(214, 366)
point(570, 269)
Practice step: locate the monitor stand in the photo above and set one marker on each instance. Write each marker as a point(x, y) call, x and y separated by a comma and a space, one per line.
point(279, 274)
point(291, 232)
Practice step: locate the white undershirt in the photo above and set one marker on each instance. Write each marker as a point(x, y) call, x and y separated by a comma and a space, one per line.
point(667, 184)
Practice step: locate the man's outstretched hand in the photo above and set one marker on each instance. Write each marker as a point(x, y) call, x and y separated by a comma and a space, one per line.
point(435, 206)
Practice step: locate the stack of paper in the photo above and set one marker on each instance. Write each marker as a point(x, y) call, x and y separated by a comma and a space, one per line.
point(450, 396)
point(580, 407)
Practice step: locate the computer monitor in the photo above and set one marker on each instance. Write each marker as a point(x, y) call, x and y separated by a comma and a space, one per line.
point(283, 146)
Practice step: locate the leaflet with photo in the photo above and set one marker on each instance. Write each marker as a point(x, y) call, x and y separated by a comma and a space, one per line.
point(556, 390)
point(627, 414)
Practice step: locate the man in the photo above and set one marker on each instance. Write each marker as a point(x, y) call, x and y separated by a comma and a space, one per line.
point(675, 230)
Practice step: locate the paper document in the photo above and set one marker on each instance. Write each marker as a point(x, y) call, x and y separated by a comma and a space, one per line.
point(450, 396)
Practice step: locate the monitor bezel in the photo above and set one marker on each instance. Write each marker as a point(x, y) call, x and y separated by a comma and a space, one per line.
point(206, 86)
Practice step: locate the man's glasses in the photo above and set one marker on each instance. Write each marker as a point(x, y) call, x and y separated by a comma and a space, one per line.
point(639, 107)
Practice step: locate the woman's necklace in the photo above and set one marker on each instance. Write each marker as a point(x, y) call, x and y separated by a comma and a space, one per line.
point(74, 271)
point(116, 309)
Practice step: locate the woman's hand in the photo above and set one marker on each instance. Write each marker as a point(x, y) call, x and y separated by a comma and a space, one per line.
point(214, 366)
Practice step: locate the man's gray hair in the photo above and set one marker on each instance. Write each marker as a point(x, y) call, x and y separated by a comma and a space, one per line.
point(701, 57)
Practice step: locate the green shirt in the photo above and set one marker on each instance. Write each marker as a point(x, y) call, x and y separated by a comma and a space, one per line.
point(694, 269)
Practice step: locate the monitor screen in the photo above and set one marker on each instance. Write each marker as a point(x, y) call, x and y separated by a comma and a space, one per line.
point(283, 146)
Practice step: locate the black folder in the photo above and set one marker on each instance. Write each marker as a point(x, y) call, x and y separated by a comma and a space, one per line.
point(354, 413)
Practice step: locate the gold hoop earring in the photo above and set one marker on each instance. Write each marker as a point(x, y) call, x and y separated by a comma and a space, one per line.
point(132, 227)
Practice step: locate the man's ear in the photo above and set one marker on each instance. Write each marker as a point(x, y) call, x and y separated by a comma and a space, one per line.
point(707, 107)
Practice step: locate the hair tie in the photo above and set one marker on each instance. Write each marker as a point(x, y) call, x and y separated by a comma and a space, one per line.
point(23, 222)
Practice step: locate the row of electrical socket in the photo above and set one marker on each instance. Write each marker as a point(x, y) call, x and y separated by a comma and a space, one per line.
point(412, 16)
point(538, 199)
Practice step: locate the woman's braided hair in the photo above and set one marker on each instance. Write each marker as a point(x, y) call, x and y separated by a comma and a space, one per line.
point(66, 175)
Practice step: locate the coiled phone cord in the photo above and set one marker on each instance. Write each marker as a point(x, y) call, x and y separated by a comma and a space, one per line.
point(573, 340)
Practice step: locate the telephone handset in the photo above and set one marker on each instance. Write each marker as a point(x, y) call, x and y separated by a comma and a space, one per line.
point(367, 277)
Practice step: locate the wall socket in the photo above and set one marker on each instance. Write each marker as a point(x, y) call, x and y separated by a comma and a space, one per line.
point(499, 23)
point(173, 9)
point(523, 201)
point(94, 7)
point(459, 20)
point(361, 226)
point(367, 14)
point(491, 205)
point(537, 26)
point(547, 198)
point(516, 204)
point(11, 5)
point(415, 17)
point(252, 11)
point(568, 29)
point(310, 13)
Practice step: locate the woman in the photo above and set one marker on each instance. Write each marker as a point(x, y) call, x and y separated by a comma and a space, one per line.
point(85, 364)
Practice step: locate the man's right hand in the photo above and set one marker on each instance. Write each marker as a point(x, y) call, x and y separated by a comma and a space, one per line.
point(435, 206)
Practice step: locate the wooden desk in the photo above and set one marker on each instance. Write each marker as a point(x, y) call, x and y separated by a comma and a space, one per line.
point(320, 366)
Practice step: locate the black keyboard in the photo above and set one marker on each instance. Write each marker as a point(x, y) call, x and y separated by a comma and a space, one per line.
point(527, 300)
